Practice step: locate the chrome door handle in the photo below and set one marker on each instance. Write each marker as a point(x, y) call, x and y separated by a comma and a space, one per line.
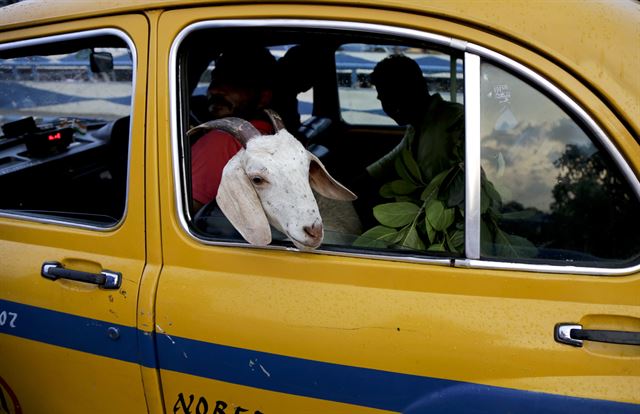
point(105, 279)
point(573, 334)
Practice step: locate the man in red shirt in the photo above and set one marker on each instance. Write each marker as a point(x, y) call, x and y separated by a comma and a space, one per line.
point(241, 86)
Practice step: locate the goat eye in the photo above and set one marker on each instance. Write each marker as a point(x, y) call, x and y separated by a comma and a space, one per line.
point(257, 180)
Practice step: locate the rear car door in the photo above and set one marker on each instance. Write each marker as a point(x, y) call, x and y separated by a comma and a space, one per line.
point(72, 224)
point(473, 300)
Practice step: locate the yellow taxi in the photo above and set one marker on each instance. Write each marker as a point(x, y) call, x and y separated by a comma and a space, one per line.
point(514, 288)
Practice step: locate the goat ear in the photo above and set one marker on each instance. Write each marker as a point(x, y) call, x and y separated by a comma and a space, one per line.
point(325, 184)
point(239, 202)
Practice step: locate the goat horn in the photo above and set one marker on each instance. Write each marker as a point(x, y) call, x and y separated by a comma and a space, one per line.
point(241, 129)
point(275, 118)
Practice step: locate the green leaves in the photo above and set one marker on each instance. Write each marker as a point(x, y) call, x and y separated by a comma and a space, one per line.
point(395, 214)
point(409, 238)
point(452, 188)
point(456, 240)
point(489, 197)
point(411, 165)
point(424, 223)
point(430, 216)
point(376, 237)
point(438, 215)
point(510, 246)
point(407, 168)
point(397, 188)
point(431, 190)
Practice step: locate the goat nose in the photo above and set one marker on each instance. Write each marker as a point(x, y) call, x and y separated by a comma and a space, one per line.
point(314, 231)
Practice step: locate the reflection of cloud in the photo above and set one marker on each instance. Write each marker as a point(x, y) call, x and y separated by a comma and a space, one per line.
point(567, 132)
point(529, 151)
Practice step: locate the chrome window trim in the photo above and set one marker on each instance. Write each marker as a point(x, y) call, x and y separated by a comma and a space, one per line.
point(547, 268)
point(134, 58)
point(472, 156)
point(472, 241)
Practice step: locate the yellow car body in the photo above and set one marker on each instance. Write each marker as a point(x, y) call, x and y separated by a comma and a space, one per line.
point(202, 326)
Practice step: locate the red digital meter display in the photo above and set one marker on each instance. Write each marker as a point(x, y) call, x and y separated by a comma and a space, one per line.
point(48, 142)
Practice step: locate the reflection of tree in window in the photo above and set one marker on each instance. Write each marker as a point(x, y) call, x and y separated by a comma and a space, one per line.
point(559, 193)
point(592, 210)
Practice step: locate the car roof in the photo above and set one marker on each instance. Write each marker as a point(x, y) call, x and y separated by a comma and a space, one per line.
point(596, 40)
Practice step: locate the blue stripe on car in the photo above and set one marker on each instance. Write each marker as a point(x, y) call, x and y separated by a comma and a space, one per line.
point(79, 333)
point(315, 379)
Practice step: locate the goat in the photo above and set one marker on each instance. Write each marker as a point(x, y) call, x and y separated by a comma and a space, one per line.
point(270, 181)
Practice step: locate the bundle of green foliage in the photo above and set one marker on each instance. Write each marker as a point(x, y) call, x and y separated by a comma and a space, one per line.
point(429, 216)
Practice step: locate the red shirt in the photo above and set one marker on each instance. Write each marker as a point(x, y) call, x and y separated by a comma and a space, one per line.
point(209, 155)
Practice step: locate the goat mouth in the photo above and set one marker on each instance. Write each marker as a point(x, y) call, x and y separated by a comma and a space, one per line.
point(305, 246)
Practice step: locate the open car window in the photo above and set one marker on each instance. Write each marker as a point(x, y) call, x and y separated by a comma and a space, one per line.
point(336, 94)
point(358, 98)
point(65, 105)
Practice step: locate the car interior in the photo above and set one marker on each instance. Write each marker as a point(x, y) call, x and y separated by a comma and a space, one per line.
point(324, 125)
point(71, 167)
point(345, 148)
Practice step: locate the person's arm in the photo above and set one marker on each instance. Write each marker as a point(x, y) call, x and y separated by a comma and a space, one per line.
point(384, 168)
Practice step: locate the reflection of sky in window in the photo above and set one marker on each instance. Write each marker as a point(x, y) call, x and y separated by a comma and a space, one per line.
point(523, 134)
point(63, 85)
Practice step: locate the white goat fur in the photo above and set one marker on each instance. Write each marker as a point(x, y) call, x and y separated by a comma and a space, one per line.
point(271, 181)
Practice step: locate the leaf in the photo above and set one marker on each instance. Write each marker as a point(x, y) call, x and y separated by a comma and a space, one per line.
point(439, 247)
point(376, 237)
point(452, 188)
point(402, 234)
point(485, 201)
point(413, 241)
point(523, 246)
point(489, 197)
point(386, 191)
point(411, 165)
point(395, 214)
point(456, 241)
point(431, 232)
point(434, 186)
point(402, 187)
point(403, 172)
point(511, 246)
point(438, 215)
point(486, 239)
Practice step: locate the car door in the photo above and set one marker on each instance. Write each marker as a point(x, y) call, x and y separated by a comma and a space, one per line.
point(72, 223)
point(479, 315)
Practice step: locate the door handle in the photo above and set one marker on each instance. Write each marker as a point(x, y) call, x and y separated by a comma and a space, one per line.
point(573, 334)
point(106, 279)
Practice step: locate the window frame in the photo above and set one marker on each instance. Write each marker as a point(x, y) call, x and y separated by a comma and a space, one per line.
point(60, 38)
point(473, 55)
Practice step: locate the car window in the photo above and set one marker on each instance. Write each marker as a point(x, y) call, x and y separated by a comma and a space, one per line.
point(358, 98)
point(399, 220)
point(550, 194)
point(557, 196)
point(64, 111)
